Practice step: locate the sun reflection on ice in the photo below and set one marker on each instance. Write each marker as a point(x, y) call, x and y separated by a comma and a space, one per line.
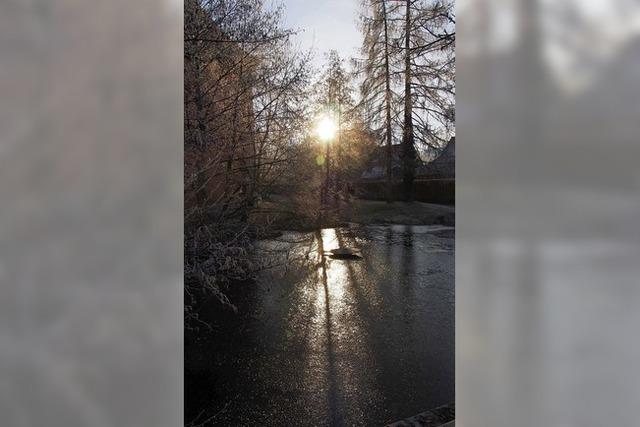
point(337, 274)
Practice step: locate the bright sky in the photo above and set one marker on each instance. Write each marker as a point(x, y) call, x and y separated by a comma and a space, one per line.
point(326, 25)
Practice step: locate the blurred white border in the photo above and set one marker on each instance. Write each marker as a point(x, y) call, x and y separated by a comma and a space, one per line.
point(547, 209)
point(91, 191)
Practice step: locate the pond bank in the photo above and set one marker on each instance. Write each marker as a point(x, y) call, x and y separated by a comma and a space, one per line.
point(414, 213)
point(294, 217)
point(443, 416)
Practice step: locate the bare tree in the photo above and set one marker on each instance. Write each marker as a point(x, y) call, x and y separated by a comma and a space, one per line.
point(334, 96)
point(429, 69)
point(375, 69)
point(243, 84)
point(408, 148)
point(433, 64)
point(408, 85)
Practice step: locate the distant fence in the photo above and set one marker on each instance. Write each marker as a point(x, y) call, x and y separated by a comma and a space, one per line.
point(441, 191)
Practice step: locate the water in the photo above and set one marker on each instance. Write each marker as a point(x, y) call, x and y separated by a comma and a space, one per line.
point(320, 341)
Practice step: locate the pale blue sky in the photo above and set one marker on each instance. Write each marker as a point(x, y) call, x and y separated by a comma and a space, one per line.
point(327, 24)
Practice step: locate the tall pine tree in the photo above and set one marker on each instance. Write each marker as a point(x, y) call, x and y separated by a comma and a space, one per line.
point(376, 71)
point(407, 73)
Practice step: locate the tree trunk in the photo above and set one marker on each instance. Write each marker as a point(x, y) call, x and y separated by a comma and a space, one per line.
point(408, 149)
point(327, 178)
point(339, 165)
point(388, 106)
point(201, 136)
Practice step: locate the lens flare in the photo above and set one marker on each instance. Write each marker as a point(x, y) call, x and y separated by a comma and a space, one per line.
point(326, 128)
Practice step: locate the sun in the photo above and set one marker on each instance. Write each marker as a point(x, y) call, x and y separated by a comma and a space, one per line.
point(326, 128)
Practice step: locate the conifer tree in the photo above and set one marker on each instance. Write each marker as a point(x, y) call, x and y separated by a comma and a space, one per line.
point(376, 71)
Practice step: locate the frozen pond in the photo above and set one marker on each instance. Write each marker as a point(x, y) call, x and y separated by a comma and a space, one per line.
point(322, 341)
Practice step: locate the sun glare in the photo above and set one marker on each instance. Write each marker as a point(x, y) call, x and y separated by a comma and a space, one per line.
point(326, 128)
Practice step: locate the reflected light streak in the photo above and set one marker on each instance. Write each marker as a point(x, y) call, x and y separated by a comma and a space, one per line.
point(336, 271)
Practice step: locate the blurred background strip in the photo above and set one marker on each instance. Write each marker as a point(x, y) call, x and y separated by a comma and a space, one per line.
point(547, 195)
point(91, 213)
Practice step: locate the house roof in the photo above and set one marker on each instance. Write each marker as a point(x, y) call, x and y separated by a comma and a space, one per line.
point(376, 169)
point(443, 166)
